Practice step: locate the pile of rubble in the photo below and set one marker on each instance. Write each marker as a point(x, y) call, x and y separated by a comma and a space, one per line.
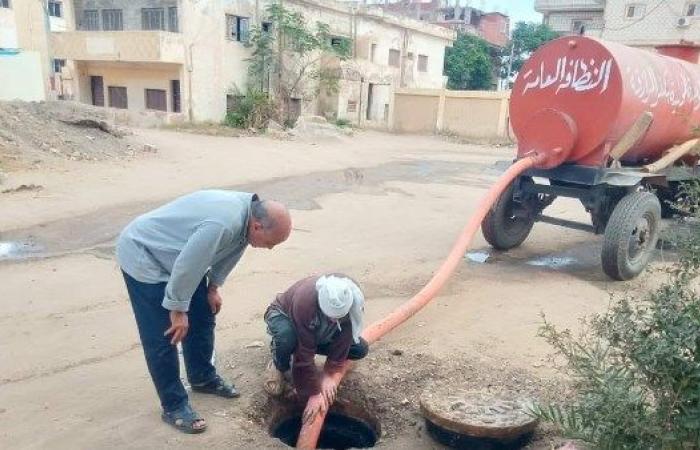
point(316, 127)
point(32, 132)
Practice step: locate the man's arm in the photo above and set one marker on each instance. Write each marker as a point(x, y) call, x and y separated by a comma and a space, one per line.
point(191, 265)
point(220, 270)
point(338, 350)
point(304, 373)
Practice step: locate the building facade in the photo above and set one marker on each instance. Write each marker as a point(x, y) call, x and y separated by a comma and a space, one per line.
point(26, 66)
point(639, 23)
point(493, 27)
point(180, 60)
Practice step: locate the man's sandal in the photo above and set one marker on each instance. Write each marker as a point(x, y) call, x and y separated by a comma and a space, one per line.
point(184, 420)
point(218, 387)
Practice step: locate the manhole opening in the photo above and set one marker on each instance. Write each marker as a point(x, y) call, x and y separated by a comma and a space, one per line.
point(339, 432)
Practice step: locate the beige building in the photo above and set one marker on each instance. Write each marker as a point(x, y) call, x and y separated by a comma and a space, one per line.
point(26, 67)
point(639, 23)
point(175, 60)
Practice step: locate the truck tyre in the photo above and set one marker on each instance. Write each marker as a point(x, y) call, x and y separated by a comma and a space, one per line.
point(501, 228)
point(631, 235)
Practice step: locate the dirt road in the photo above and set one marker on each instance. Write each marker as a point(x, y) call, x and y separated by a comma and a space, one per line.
point(382, 208)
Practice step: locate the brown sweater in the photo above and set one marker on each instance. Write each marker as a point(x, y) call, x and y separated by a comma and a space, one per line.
point(313, 328)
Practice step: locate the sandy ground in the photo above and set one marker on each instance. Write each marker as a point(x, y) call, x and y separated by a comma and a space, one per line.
point(384, 209)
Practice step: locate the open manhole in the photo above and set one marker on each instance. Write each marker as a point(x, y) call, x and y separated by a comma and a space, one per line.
point(351, 422)
point(477, 420)
point(339, 432)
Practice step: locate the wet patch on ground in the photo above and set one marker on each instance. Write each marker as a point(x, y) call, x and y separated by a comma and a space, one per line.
point(95, 232)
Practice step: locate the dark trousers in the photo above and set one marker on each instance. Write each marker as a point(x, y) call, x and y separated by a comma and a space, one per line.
point(284, 342)
point(161, 356)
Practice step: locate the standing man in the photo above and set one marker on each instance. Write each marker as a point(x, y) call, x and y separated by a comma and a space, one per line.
point(174, 259)
point(317, 315)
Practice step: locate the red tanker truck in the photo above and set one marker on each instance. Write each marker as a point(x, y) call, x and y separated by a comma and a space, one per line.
point(618, 127)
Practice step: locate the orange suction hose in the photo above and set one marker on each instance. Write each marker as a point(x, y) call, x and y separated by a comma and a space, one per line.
point(308, 437)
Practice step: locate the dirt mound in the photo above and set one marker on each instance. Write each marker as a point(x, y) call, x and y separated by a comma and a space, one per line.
point(33, 132)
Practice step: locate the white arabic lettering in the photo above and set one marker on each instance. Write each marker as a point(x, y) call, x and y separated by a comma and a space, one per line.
point(576, 74)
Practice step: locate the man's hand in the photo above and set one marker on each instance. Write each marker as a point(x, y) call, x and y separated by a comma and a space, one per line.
point(328, 389)
point(317, 404)
point(179, 324)
point(215, 300)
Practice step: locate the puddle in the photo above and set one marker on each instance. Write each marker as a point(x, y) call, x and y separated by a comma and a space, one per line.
point(478, 257)
point(553, 262)
point(10, 250)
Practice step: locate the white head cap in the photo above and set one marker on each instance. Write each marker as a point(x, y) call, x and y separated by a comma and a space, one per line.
point(340, 296)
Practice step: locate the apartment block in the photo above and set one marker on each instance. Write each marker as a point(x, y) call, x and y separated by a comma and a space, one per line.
point(493, 27)
point(639, 23)
point(184, 60)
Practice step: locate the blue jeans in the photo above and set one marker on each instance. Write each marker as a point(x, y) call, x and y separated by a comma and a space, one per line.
point(161, 356)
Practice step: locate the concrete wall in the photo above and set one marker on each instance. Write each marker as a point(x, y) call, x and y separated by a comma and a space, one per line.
point(415, 112)
point(21, 77)
point(135, 46)
point(475, 114)
point(33, 34)
point(658, 25)
point(215, 65)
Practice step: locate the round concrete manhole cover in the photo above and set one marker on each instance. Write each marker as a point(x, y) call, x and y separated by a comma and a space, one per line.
point(477, 419)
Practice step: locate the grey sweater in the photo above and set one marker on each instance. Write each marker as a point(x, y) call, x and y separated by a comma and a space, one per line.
point(178, 243)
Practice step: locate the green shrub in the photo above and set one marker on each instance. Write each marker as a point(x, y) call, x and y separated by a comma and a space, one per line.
point(636, 367)
point(343, 123)
point(252, 110)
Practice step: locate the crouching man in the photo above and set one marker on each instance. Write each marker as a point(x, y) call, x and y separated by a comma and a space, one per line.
point(317, 315)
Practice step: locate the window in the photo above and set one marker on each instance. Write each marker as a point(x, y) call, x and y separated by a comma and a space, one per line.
point(266, 27)
point(373, 53)
point(173, 22)
point(112, 20)
point(152, 19)
point(55, 8)
point(4, 3)
point(579, 26)
point(58, 65)
point(634, 11)
point(117, 97)
point(352, 106)
point(422, 63)
point(91, 20)
point(175, 93)
point(237, 28)
point(394, 56)
point(693, 10)
point(156, 99)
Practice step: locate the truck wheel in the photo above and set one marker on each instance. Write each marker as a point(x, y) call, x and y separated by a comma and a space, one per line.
point(501, 227)
point(631, 235)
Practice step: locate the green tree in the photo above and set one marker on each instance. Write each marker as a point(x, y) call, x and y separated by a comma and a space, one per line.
point(468, 64)
point(526, 38)
point(289, 57)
